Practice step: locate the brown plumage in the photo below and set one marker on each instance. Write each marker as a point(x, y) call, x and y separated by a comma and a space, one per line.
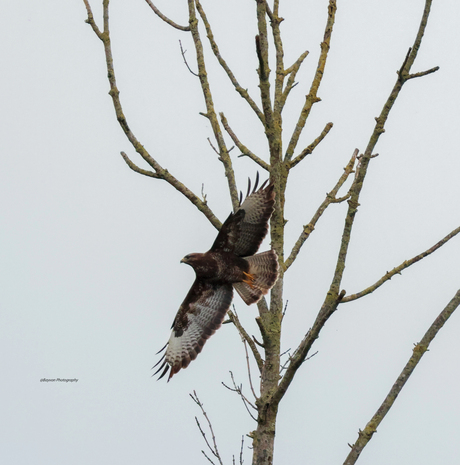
point(230, 263)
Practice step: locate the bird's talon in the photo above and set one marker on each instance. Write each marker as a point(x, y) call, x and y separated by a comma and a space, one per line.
point(250, 279)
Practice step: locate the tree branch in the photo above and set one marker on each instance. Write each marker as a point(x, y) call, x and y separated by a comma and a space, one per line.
point(423, 73)
point(166, 19)
point(90, 20)
point(264, 69)
point(244, 150)
point(330, 198)
point(403, 76)
point(159, 171)
point(210, 112)
point(239, 391)
point(245, 336)
point(334, 297)
point(135, 168)
point(249, 369)
point(398, 269)
point(292, 71)
point(275, 22)
point(312, 146)
point(419, 350)
point(312, 97)
point(355, 190)
point(243, 92)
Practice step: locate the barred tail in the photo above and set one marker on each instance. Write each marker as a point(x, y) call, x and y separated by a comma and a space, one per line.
point(263, 268)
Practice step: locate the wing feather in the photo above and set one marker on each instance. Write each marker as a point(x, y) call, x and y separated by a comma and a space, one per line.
point(199, 316)
point(243, 231)
point(258, 208)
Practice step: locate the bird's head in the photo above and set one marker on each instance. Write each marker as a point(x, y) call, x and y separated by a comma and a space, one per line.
point(191, 258)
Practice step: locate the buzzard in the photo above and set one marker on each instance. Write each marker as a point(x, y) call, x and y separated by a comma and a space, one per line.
point(231, 262)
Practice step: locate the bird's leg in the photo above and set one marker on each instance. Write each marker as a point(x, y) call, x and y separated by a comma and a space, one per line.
point(249, 279)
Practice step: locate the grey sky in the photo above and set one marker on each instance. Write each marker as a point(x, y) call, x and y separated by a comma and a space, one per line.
point(89, 251)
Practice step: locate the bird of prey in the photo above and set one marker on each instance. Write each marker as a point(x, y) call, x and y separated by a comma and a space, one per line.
point(231, 262)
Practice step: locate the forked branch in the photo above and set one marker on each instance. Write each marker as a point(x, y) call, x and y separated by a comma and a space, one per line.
point(379, 129)
point(239, 390)
point(334, 295)
point(159, 172)
point(312, 96)
point(292, 71)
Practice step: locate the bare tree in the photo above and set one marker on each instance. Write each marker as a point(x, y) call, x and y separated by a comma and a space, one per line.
point(275, 89)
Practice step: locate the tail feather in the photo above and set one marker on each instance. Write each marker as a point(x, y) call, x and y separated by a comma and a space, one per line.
point(264, 268)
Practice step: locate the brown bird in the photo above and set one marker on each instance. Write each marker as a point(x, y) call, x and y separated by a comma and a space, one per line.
point(231, 262)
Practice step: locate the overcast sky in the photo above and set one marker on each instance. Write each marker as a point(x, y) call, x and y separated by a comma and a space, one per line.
point(90, 250)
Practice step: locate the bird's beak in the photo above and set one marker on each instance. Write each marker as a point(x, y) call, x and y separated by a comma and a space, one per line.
point(183, 260)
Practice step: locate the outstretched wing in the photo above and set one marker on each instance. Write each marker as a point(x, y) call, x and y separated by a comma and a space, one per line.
point(199, 316)
point(243, 231)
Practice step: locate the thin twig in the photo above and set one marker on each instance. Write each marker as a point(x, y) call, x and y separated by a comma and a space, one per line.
point(214, 450)
point(285, 352)
point(203, 195)
point(285, 308)
point(400, 268)
point(249, 369)
point(212, 146)
point(258, 343)
point(203, 452)
point(419, 350)
point(239, 391)
point(284, 365)
point(185, 61)
point(244, 335)
point(241, 452)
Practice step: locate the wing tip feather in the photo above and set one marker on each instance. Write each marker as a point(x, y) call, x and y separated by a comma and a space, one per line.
point(250, 191)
